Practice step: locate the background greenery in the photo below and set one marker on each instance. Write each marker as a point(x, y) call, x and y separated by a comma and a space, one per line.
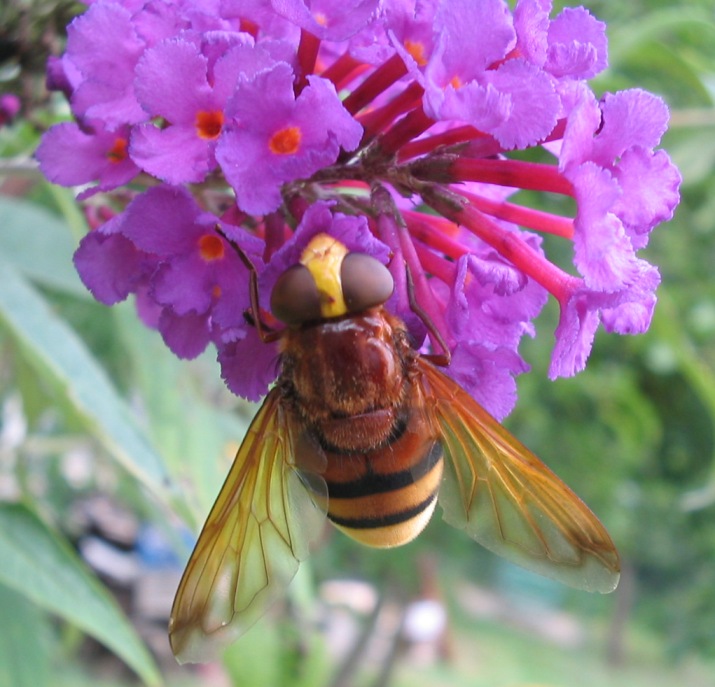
point(96, 414)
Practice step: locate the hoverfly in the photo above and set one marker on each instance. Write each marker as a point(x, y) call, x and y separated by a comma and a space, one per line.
point(361, 427)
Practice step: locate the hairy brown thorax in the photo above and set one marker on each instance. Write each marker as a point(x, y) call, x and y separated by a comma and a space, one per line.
point(347, 378)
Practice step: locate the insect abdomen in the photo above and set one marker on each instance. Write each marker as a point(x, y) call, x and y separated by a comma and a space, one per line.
point(385, 497)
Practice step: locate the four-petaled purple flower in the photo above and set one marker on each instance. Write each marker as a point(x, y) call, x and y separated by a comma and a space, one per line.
point(276, 138)
point(248, 126)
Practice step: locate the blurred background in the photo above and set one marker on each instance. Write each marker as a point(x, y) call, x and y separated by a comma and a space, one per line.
point(112, 451)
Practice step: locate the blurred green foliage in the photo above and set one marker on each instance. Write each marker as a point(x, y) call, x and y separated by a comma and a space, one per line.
point(90, 402)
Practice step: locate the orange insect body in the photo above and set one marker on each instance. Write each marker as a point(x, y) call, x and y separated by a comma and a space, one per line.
point(353, 384)
point(363, 428)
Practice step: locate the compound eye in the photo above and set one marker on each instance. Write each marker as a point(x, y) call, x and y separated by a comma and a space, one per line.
point(295, 299)
point(366, 282)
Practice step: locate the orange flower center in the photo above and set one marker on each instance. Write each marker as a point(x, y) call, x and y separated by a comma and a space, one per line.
point(209, 124)
point(211, 247)
point(417, 51)
point(286, 141)
point(118, 152)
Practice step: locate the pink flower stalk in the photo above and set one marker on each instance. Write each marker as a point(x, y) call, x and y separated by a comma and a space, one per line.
point(396, 126)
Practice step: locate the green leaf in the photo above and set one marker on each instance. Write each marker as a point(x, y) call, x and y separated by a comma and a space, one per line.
point(628, 37)
point(694, 153)
point(40, 565)
point(62, 358)
point(192, 416)
point(23, 653)
point(39, 245)
point(69, 208)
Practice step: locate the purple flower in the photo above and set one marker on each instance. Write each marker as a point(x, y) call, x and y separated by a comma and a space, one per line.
point(327, 19)
point(71, 156)
point(400, 128)
point(572, 45)
point(603, 252)
point(189, 269)
point(188, 90)
point(250, 381)
point(103, 47)
point(111, 266)
point(623, 188)
point(646, 180)
point(625, 311)
point(276, 138)
point(473, 81)
point(490, 308)
point(9, 107)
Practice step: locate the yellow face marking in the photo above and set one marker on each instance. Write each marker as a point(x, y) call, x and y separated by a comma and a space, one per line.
point(323, 256)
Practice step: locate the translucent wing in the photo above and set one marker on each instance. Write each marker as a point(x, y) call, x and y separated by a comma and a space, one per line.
point(256, 534)
point(505, 498)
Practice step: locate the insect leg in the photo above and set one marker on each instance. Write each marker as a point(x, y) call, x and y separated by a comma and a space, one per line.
point(265, 332)
point(442, 359)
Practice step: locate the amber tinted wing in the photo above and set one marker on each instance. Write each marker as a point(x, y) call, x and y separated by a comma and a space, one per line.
point(255, 536)
point(505, 498)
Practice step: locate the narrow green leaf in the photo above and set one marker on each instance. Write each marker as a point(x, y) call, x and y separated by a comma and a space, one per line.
point(37, 563)
point(62, 358)
point(23, 653)
point(39, 245)
point(69, 208)
point(187, 411)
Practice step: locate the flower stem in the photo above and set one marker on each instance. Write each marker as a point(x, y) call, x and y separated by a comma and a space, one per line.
point(435, 232)
point(427, 144)
point(423, 292)
point(434, 264)
point(524, 217)
point(344, 70)
point(513, 173)
point(409, 127)
point(508, 244)
point(375, 121)
point(380, 80)
point(306, 56)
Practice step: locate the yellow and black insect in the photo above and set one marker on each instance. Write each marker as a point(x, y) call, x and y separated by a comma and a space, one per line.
point(363, 428)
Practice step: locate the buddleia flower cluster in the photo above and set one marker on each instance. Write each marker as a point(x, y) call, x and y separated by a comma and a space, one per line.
point(211, 134)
